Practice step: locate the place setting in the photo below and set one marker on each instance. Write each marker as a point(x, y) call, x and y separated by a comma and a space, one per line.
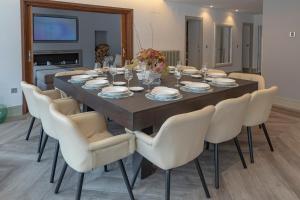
point(224, 82)
point(115, 92)
point(161, 93)
point(79, 79)
point(195, 87)
point(95, 84)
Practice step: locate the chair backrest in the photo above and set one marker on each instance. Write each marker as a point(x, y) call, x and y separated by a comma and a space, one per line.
point(181, 138)
point(250, 77)
point(215, 71)
point(228, 119)
point(73, 143)
point(30, 99)
point(260, 106)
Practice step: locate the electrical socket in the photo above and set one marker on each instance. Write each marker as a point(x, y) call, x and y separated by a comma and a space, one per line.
point(14, 90)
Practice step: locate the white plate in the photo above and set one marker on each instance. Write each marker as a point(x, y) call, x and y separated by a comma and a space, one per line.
point(129, 94)
point(190, 71)
point(196, 76)
point(164, 92)
point(136, 89)
point(224, 81)
point(81, 77)
point(138, 70)
point(198, 86)
point(91, 72)
point(216, 75)
point(101, 78)
point(155, 98)
point(171, 67)
point(117, 90)
point(185, 82)
point(96, 82)
point(119, 83)
point(186, 89)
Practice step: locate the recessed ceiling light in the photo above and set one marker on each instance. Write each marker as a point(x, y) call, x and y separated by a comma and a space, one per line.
point(237, 10)
point(211, 6)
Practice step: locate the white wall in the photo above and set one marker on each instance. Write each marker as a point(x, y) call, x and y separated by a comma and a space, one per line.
point(280, 64)
point(167, 19)
point(88, 24)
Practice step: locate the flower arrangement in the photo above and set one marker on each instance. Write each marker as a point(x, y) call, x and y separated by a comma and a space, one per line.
point(153, 59)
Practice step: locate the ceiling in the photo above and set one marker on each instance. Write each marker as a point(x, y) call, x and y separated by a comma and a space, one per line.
point(249, 6)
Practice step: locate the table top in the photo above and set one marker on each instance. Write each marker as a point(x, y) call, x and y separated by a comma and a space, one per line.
point(138, 112)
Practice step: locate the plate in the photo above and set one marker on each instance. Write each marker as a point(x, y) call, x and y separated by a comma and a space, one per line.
point(196, 76)
point(216, 75)
point(186, 89)
point(115, 90)
point(138, 70)
point(119, 83)
point(224, 81)
point(155, 98)
point(190, 71)
point(224, 86)
point(164, 92)
point(81, 77)
point(93, 87)
point(122, 96)
point(197, 86)
point(185, 82)
point(136, 89)
point(97, 82)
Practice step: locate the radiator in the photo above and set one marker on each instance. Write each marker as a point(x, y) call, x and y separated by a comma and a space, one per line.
point(172, 57)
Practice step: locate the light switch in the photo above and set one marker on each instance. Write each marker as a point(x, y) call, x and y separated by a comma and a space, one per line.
point(292, 34)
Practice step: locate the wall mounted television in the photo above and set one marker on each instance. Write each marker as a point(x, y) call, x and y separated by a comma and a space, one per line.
point(54, 28)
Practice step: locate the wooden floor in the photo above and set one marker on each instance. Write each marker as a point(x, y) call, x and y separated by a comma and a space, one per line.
point(273, 175)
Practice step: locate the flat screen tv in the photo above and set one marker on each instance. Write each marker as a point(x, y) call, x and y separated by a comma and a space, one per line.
point(51, 28)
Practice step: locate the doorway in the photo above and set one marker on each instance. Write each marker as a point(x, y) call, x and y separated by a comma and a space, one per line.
point(194, 41)
point(247, 47)
point(27, 29)
point(259, 48)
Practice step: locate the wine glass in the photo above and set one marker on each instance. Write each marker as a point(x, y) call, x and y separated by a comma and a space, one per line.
point(178, 75)
point(148, 79)
point(127, 63)
point(113, 72)
point(128, 75)
point(179, 65)
point(204, 71)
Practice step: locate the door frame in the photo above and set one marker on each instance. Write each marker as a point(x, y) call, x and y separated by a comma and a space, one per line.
point(26, 27)
point(200, 19)
point(251, 46)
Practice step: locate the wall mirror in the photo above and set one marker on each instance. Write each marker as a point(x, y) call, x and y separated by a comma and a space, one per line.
point(223, 45)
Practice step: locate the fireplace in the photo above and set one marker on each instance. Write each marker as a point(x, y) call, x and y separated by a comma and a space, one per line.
point(62, 58)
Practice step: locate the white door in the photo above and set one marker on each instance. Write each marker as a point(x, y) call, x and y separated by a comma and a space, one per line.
point(194, 42)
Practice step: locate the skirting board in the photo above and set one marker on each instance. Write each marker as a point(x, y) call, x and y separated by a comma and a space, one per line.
point(291, 104)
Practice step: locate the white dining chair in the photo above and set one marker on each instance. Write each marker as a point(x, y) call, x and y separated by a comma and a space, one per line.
point(179, 141)
point(215, 71)
point(32, 108)
point(86, 144)
point(250, 77)
point(226, 124)
point(258, 113)
point(69, 106)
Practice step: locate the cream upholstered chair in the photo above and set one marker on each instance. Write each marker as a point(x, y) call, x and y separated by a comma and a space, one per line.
point(258, 113)
point(68, 105)
point(86, 144)
point(215, 71)
point(226, 125)
point(250, 77)
point(179, 141)
point(68, 73)
point(33, 109)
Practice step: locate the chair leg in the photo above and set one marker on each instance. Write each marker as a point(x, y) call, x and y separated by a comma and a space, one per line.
point(267, 137)
point(125, 177)
point(106, 168)
point(217, 184)
point(41, 139)
point(42, 148)
point(135, 175)
point(207, 145)
point(237, 144)
point(260, 127)
point(250, 143)
point(79, 186)
point(168, 184)
point(62, 174)
point(204, 185)
point(30, 128)
point(54, 163)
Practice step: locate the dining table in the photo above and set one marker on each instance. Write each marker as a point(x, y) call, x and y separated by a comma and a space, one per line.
point(140, 113)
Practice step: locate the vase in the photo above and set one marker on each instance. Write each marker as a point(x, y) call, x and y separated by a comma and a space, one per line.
point(3, 113)
point(157, 79)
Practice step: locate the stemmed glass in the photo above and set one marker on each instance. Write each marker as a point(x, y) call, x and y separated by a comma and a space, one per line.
point(128, 75)
point(113, 72)
point(179, 65)
point(148, 79)
point(178, 75)
point(127, 63)
point(204, 71)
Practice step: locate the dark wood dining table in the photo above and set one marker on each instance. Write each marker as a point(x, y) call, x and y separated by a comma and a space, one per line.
point(139, 113)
